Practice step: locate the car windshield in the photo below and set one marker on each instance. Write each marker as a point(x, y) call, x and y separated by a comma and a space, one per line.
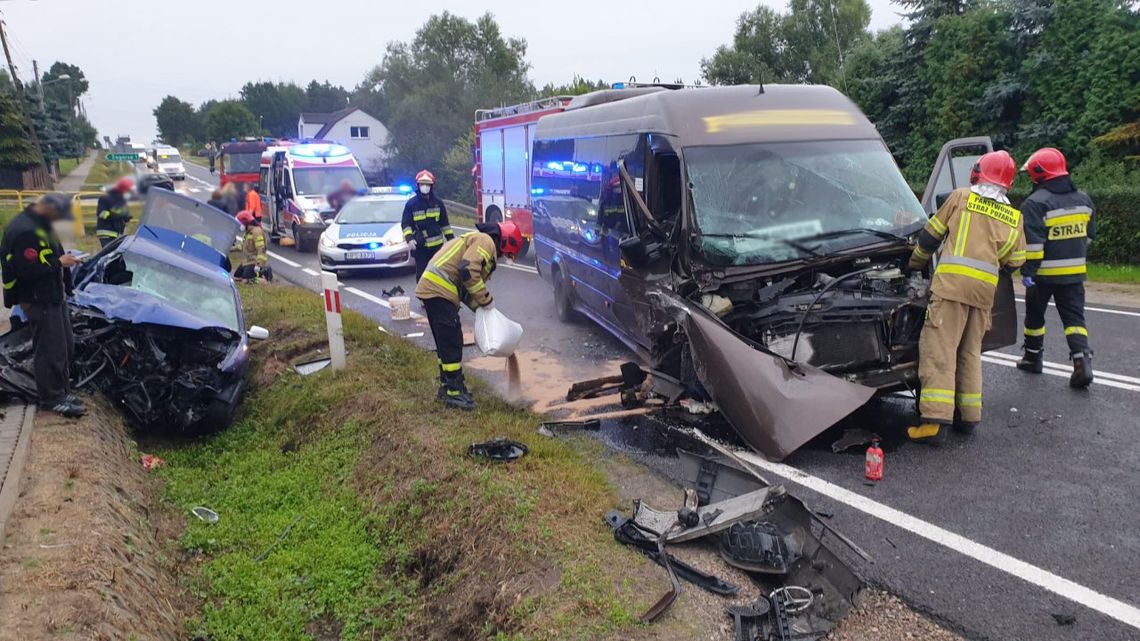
point(361, 212)
point(248, 163)
point(321, 181)
point(184, 290)
point(772, 202)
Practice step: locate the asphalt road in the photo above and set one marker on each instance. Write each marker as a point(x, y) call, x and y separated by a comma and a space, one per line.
point(1045, 494)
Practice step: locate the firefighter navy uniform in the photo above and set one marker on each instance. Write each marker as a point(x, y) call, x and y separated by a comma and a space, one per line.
point(975, 237)
point(34, 279)
point(1059, 223)
point(111, 217)
point(458, 273)
point(425, 221)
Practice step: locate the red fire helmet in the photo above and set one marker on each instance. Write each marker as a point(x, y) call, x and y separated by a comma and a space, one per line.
point(510, 239)
point(1046, 163)
point(996, 167)
point(425, 177)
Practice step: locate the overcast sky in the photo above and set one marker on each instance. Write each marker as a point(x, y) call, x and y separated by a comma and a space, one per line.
point(134, 52)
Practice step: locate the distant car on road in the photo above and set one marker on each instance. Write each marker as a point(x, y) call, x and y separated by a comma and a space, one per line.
point(169, 162)
point(149, 179)
point(366, 233)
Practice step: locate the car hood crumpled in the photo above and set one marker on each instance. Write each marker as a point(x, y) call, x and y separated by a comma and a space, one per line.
point(135, 306)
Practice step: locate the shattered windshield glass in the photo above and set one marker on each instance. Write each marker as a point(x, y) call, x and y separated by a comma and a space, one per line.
point(767, 202)
point(184, 290)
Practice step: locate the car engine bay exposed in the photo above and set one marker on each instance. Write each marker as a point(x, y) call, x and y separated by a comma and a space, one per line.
point(858, 319)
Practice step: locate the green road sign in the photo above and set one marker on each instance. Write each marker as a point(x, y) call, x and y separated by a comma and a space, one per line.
point(122, 157)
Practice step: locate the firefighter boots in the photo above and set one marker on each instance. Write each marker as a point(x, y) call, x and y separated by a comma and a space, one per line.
point(927, 432)
point(1031, 361)
point(1082, 370)
point(454, 391)
point(965, 427)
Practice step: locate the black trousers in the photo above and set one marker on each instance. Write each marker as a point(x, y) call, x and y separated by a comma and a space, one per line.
point(423, 256)
point(53, 344)
point(106, 240)
point(1070, 301)
point(443, 318)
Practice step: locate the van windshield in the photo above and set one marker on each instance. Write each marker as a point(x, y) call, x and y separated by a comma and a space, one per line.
point(321, 181)
point(172, 157)
point(766, 202)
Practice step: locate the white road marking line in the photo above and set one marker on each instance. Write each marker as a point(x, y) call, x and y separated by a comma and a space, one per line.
point(522, 268)
point(283, 259)
point(1114, 608)
point(1094, 309)
point(1064, 373)
point(1068, 367)
point(311, 272)
point(462, 228)
point(199, 181)
point(375, 299)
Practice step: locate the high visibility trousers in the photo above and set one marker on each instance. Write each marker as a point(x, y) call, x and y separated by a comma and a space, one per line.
point(443, 318)
point(1070, 299)
point(950, 361)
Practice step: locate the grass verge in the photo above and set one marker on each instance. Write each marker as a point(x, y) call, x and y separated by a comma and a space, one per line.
point(1123, 274)
point(349, 509)
point(105, 172)
point(68, 165)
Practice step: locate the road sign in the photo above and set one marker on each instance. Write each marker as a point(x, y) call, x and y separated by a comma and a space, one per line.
point(122, 157)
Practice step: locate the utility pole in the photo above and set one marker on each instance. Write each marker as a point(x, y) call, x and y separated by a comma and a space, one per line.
point(8, 55)
point(39, 81)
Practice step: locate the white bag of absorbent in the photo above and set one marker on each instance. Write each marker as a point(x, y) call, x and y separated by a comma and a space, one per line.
point(495, 334)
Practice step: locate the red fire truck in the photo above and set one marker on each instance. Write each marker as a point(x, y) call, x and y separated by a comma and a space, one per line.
point(240, 161)
point(502, 161)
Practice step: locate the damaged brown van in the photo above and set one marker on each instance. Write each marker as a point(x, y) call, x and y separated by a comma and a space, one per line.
point(748, 242)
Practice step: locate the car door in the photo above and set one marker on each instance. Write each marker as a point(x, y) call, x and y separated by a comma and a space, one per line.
point(952, 171)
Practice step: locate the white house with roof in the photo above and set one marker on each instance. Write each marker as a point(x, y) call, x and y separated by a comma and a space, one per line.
point(355, 128)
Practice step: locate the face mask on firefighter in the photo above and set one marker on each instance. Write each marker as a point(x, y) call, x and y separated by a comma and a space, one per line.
point(425, 189)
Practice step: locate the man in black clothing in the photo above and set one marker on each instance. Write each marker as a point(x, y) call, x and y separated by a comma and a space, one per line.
point(425, 222)
point(37, 277)
point(111, 213)
point(1059, 223)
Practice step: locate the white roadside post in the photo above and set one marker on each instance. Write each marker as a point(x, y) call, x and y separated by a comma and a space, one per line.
point(332, 319)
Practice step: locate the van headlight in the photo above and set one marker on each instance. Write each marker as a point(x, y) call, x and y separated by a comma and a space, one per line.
point(312, 216)
point(327, 242)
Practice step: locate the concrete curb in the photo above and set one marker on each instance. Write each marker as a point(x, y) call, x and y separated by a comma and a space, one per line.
point(10, 484)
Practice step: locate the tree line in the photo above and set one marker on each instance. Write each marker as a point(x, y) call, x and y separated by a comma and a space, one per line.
point(1028, 73)
point(262, 108)
point(61, 126)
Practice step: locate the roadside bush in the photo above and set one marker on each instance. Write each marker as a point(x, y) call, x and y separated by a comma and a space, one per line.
point(1117, 223)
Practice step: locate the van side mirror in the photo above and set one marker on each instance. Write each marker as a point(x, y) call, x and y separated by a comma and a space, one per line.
point(637, 252)
point(258, 333)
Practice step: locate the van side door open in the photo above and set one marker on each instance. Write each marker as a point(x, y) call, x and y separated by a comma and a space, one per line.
point(952, 171)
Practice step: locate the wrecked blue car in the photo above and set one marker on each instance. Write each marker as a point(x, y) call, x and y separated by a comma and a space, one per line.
point(158, 321)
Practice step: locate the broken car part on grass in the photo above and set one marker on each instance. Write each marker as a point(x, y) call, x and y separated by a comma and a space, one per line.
point(157, 321)
point(761, 529)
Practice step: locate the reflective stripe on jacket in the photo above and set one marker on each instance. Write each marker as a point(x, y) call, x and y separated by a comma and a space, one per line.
point(111, 215)
point(29, 262)
point(1059, 223)
point(425, 221)
point(459, 271)
point(975, 238)
point(253, 247)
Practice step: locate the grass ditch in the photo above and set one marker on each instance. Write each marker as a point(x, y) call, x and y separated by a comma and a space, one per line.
point(392, 532)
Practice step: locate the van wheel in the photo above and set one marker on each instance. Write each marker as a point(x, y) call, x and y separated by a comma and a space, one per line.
point(563, 303)
point(524, 249)
point(493, 215)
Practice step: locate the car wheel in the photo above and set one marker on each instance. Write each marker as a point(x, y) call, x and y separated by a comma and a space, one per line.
point(563, 303)
point(493, 215)
point(299, 241)
point(525, 248)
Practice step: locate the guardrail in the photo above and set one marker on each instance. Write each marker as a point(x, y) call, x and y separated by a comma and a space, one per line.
point(23, 198)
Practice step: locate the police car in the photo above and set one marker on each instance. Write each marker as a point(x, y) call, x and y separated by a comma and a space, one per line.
point(366, 234)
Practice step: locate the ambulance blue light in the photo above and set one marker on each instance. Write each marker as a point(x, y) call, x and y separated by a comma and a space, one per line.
point(554, 165)
point(405, 189)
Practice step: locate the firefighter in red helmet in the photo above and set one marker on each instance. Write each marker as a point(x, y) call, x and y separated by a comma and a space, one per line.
point(425, 223)
point(1059, 224)
point(458, 273)
point(976, 234)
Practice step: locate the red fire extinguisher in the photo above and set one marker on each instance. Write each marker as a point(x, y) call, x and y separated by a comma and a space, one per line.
point(873, 468)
